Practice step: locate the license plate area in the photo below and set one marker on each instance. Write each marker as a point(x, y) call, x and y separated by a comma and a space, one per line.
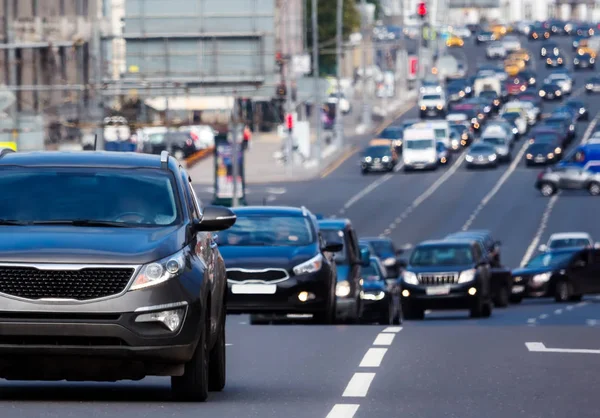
point(437, 290)
point(518, 289)
point(253, 289)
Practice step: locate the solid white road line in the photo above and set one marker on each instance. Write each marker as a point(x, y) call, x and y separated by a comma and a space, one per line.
point(343, 411)
point(359, 385)
point(373, 357)
point(541, 348)
point(392, 329)
point(548, 211)
point(531, 321)
point(558, 311)
point(384, 339)
point(496, 188)
point(419, 200)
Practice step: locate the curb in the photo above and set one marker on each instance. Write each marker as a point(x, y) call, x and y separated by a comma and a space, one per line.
point(195, 158)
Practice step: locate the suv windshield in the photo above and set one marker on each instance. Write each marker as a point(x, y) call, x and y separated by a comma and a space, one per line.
point(334, 235)
point(137, 197)
point(569, 242)
point(378, 151)
point(419, 144)
point(494, 141)
point(259, 230)
point(372, 270)
point(550, 259)
point(431, 97)
point(445, 255)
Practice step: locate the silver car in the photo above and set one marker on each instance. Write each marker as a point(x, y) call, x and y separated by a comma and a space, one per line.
point(501, 145)
point(481, 155)
point(568, 178)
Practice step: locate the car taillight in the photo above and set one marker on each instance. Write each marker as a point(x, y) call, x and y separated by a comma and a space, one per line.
point(194, 137)
point(541, 175)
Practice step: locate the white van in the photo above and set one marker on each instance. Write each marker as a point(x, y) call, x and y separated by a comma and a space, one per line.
point(441, 128)
point(419, 150)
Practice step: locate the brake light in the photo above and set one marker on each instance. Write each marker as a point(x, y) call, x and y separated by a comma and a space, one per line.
point(541, 175)
point(195, 137)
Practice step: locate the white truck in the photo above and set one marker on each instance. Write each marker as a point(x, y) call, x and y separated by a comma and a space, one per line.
point(441, 129)
point(487, 84)
point(419, 151)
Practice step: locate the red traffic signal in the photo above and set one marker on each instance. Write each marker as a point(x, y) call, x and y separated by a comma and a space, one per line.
point(289, 122)
point(422, 9)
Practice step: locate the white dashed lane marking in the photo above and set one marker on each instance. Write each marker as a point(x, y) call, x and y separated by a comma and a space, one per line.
point(359, 385)
point(384, 339)
point(373, 357)
point(343, 411)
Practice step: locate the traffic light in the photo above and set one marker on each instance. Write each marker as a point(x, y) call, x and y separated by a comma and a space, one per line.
point(422, 10)
point(281, 91)
point(289, 121)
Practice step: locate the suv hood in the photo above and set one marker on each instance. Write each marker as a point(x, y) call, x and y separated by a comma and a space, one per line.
point(260, 257)
point(439, 269)
point(87, 245)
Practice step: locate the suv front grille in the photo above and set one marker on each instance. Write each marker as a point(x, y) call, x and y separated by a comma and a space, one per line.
point(437, 278)
point(84, 284)
point(268, 275)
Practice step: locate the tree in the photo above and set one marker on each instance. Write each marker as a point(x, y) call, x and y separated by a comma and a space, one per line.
point(326, 15)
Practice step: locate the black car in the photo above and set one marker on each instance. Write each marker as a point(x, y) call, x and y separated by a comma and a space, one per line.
point(592, 85)
point(538, 34)
point(528, 77)
point(455, 91)
point(463, 135)
point(386, 250)
point(549, 48)
point(349, 263)
point(381, 301)
point(579, 107)
point(181, 144)
point(542, 153)
point(485, 37)
point(378, 158)
point(584, 61)
point(105, 271)
point(560, 123)
point(492, 100)
point(555, 60)
point(550, 91)
point(447, 274)
point(549, 135)
point(276, 264)
point(565, 274)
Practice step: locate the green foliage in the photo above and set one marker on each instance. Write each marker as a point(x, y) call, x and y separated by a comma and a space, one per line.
point(326, 16)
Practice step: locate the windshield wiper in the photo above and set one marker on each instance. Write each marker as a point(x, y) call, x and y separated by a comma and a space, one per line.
point(13, 222)
point(81, 222)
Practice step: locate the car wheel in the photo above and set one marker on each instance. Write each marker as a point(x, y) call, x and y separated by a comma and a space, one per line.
point(414, 313)
point(192, 386)
point(594, 188)
point(399, 318)
point(364, 172)
point(386, 317)
point(516, 299)
point(502, 299)
point(547, 189)
point(327, 317)
point(257, 320)
point(562, 291)
point(217, 370)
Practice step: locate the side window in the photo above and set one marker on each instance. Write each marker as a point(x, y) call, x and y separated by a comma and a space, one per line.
point(353, 244)
point(189, 199)
point(197, 202)
point(596, 257)
point(477, 254)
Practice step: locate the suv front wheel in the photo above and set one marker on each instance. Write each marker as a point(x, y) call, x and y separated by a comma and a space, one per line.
point(547, 189)
point(594, 188)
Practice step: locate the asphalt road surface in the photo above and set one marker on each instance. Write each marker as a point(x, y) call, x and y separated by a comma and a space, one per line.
point(448, 365)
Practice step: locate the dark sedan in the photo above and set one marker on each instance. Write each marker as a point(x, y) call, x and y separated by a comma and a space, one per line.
point(549, 48)
point(579, 107)
point(481, 155)
point(584, 61)
point(592, 85)
point(550, 91)
point(542, 153)
point(381, 301)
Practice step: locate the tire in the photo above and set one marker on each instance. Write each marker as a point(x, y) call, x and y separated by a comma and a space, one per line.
point(503, 298)
point(594, 188)
point(217, 364)
point(192, 386)
point(414, 313)
point(563, 291)
point(547, 189)
point(256, 320)
point(386, 316)
point(516, 299)
point(483, 309)
point(327, 317)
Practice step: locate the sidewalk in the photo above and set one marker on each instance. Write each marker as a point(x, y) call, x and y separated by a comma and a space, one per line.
point(262, 167)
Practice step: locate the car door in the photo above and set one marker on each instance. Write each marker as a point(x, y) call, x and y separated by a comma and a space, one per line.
point(572, 178)
point(579, 272)
point(594, 272)
point(355, 259)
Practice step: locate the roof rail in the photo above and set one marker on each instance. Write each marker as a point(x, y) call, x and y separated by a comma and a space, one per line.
point(6, 151)
point(304, 211)
point(164, 159)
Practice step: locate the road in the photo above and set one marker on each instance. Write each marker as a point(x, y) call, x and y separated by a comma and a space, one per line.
point(447, 365)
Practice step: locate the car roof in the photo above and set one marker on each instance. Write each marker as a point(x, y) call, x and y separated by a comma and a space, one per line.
point(106, 159)
point(270, 211)
point(375, 239)
point(336, 224)
point(566, 235)
point(445, 242)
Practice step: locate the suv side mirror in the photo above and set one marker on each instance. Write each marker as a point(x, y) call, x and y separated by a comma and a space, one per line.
point(402, 263)
point(543, 248)
point(215, 218)
point(365, 257)
point(333, 247)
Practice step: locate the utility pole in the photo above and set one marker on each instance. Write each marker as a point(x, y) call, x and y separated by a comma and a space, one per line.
point(317, 96)
point(12, 66)
point(366, 110)
point(339, 127)
point(98, 101)
point(288, 94)
point(234, 151)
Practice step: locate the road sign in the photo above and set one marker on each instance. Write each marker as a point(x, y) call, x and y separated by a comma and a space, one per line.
point(7, 98)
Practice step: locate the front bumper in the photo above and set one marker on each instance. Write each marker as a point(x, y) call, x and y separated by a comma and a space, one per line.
point(281, 298)
point(346, 309)
point(98, 340)
point(387, 166)
point(420, 165)
point(375, 309)
point(416, 296)
point(481, 163)
point(431, 112)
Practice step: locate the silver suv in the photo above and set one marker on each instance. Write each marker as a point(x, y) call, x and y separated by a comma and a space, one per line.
point(568, 178)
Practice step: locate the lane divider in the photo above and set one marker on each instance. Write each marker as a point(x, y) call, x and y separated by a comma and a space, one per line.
point(568, 308)
point(359, 384)
point(548, 210)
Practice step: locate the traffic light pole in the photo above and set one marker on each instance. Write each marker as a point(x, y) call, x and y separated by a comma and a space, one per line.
point(288, 100)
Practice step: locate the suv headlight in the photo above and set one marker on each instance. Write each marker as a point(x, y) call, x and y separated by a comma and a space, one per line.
point(309, 266)
point(160, 271)
point(410, 278)
point(342, 289)
point(467, 276)
point(541, 278)
point(372, 296)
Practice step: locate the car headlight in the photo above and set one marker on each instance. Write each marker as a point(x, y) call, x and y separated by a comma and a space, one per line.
point(542, 93)
point(557, 150)
point(342, 289)
point(467, 276)
point(440, 107)
point(309, 266)
point(410, 278)
point(389, 262)
point(558, 92)
point(398, 143)
point(160, 271)
point(372, 296)
point(468, 90)
point(591, 60)
point(492, 157)
point(541, 278)
point(487, 109)
point(368, 159)
point(469, 158)
point(588, 86)
point(423, 107)
point(575, 61)
point(515, 131)
point(385, 159)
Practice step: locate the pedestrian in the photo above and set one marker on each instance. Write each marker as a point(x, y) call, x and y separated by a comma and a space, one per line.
point(247, 137)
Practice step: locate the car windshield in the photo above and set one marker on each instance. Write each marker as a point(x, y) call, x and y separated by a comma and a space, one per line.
point(335, 235)
point(480, 148)
point(569, 242)
point(371, 270)
point(391, 133)
point(136, 197)
point(378, 151)
point(511, 115)
point(538, 148)
point(440, 133)
point(382, 248)
point(488, 94)
point(550, 259)
point(432, 97)
point(444, 255)
point(419, 144)
point(546, 138)
point(262, 230)
point(493, 140)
